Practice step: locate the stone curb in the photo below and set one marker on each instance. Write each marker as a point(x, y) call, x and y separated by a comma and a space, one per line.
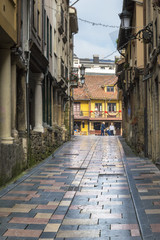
point(143, 221)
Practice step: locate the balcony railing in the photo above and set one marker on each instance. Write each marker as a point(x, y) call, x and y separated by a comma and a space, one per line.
point(98, 114)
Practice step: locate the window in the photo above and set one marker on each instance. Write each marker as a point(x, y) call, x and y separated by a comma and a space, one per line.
point(62, 68)
point(98, 107)
point(47, 37)
point(55, 42)
point(66, 73)
point(111, 107)
point(62, 17)
point(33, 12)
point(50, 39)
point(77, 108)
point(66, 26)
point(38, 21)
point(156, 33)
point(47, 110)
point(44, 27)
point(110, 89)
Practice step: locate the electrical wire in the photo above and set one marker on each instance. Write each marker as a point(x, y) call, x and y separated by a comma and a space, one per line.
point(106, 25)
point(98, 24)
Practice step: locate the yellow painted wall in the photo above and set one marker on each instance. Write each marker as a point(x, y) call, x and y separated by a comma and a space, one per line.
point(84, 106)
point(139, 22)
point(8, 10)
point(85, 129)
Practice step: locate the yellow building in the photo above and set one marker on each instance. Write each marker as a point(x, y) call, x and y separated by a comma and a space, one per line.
point(96, 102)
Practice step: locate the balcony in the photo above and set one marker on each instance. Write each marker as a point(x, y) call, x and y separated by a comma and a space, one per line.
point(98, 115)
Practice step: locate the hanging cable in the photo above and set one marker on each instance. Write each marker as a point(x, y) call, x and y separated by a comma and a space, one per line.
point(74, 3)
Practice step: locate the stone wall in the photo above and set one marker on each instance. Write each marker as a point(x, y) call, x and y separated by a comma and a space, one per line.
point(43, 144)
point(13, 157)
point(12, 161)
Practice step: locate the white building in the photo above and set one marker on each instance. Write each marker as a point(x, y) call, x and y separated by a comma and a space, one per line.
point(95, 66)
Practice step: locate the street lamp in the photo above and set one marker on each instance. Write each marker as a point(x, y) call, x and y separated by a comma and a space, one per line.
point(125, 17)
point(82, 70)
point(145, 34)
point(82, 73)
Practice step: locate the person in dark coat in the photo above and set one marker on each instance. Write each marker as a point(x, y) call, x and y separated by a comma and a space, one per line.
point(102, 128)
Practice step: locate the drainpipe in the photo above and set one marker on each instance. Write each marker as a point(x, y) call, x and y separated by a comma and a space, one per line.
point(27, 51)
point(145, 94)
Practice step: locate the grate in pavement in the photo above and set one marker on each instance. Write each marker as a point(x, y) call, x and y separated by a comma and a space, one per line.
point(72, 188)
point(107, 165)
point(110, 175)
point(76, 168)
point(139, 179)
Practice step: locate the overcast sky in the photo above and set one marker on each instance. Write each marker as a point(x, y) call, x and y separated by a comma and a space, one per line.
point(92, 39)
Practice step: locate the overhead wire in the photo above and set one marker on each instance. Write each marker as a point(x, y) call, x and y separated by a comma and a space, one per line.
point(98, 24)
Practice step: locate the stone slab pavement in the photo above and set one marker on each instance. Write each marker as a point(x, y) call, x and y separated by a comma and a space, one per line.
point(92, 188)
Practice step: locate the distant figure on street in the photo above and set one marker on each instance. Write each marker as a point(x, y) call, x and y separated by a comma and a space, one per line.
point(76, 128)
point(112, 129)
point(102, 128)
point(108, 131)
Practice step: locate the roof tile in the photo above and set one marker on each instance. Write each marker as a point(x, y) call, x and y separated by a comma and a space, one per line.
point(94, 88)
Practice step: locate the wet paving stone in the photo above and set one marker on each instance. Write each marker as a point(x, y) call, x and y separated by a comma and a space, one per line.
point(88, 190)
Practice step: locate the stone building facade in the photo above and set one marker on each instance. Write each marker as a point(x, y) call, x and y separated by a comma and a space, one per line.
point(152, 80)
point(129, 68)
point(138, 77)
point(36, 47)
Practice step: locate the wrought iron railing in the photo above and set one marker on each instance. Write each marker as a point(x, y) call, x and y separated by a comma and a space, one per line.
point(98, 114)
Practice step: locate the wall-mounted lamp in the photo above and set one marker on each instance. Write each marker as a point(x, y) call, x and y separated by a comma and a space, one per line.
point(82, 73)
point(75, 78)
point(145, 34)
point(125, 17)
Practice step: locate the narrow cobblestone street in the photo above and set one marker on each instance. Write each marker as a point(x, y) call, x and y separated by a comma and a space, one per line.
point(88, 190)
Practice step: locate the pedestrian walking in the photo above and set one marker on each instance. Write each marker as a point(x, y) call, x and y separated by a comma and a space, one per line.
point(112, 129)
point(108, 131)
point(102, 128)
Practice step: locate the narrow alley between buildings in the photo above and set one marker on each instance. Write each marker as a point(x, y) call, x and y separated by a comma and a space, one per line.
point(93, 187)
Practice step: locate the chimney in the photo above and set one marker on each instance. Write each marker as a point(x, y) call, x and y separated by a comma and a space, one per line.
point(96, 59)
